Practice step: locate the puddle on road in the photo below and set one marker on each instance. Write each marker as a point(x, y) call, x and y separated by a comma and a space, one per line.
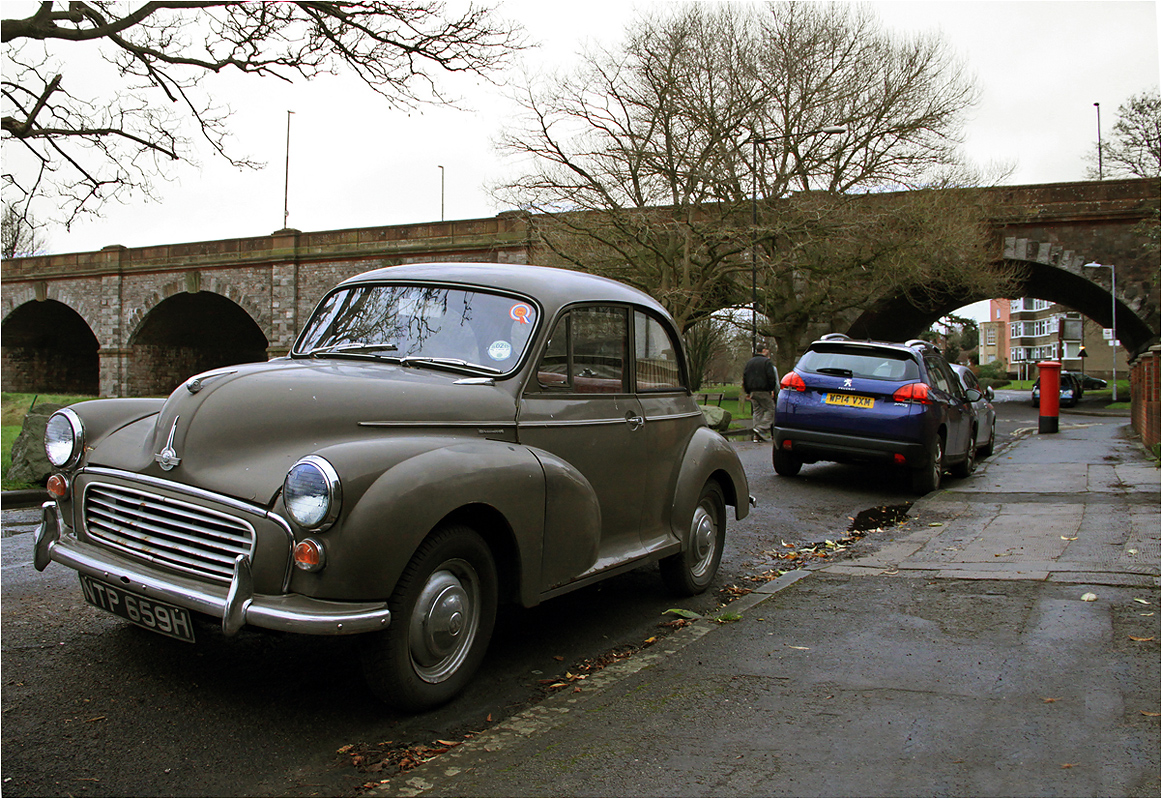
point(879, 517)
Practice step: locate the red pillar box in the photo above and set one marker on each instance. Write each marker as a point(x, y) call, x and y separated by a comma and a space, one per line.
point(1050, 403)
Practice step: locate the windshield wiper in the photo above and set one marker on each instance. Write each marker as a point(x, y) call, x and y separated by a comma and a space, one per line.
point(412, 360)
point(356, 350)
point(831, 370)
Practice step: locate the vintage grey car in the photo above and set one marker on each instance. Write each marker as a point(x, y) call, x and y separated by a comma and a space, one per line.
point(441, 438)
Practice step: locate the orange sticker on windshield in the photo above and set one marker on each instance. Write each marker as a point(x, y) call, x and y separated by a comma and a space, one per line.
point(521, 313)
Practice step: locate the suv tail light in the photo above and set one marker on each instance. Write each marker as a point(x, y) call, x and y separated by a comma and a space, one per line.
point(793, 381)
point(913, 392)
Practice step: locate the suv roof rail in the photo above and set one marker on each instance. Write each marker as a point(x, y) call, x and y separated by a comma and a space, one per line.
point(835, 337)
point(919, 343)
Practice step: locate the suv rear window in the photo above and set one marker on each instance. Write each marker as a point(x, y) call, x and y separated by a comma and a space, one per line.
point(866, 363)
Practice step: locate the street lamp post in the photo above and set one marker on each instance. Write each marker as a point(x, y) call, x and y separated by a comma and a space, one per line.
point(1098, 107)
point(1113, 322)
point(755, 141)
point(441, 191)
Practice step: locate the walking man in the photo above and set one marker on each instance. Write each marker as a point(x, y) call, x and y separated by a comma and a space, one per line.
point(760, 381)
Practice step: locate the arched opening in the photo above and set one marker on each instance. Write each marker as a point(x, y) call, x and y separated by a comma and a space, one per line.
point(187, 334)
point(49, 348)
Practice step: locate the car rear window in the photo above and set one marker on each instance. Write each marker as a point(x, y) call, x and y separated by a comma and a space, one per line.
point(871, 364)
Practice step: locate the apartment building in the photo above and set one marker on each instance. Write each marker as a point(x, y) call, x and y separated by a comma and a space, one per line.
point(1043, 331)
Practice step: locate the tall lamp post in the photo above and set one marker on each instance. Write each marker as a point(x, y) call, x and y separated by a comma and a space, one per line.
point(1098, 107)
point(1113, 322)
point(755, 141)
point(441, 191)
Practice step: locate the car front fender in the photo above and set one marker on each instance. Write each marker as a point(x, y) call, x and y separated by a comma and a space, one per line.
point(387, 512)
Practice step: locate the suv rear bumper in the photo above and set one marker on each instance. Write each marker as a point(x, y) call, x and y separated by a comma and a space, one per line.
point(813, 445)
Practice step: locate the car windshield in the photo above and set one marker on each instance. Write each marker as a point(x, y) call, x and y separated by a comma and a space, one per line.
point(866, 363)
point(421, 326)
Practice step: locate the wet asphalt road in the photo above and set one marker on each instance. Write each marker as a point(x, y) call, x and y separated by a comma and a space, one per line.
point(93, 706)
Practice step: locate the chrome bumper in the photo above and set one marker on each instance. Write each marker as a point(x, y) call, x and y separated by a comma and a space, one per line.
point(236, 604)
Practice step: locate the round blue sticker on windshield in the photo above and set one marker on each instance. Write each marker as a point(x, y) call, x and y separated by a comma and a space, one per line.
point(500, 350)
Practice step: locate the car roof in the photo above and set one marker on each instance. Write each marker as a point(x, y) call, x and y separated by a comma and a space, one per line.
point(551, 286)
point(912, 346)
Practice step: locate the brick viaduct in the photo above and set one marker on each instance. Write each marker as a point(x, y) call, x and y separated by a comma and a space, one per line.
point(132, 322)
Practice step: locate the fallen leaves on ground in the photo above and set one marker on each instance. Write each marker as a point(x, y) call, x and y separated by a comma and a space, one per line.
point(388, 758)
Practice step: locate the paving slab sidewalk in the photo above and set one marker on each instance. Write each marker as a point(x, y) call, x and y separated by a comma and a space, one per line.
point(1002, 642)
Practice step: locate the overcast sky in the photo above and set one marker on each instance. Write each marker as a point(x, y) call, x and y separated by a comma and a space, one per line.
point(1040, 66)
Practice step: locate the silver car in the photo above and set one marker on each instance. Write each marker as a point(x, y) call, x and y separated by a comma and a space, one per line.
point(986, 414)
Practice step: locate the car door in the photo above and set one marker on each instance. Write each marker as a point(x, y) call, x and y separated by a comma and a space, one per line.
point(950, 394)
point(579, 406)
point(671, 417)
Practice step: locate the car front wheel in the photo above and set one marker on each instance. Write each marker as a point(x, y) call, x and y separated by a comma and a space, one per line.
point(443, 610)
point(691, 571)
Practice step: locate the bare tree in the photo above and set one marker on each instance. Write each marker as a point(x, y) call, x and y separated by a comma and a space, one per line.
point(674, 154)
point(1135, 149)
point(86, 150)
point(19, 235)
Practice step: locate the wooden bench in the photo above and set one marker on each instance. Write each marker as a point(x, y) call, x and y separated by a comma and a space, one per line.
point(707, 398)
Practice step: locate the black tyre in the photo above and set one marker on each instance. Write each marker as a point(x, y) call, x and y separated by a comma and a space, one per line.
point(967, 466)
point(988, 448)
point(786, 464)
point(442, 614)
point(927, 478)
point(691, 571)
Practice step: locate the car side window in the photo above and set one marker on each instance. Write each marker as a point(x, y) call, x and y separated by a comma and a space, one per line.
point(587, 352)
point(656, 356)
point(938, 377)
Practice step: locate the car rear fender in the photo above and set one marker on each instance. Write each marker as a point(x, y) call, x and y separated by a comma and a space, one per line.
point(385, 520)
point(708, 456)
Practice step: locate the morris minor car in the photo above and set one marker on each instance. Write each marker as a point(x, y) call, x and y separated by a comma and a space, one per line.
point(440, 439)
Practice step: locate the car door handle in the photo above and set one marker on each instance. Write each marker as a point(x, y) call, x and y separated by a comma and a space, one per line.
point(634, 421)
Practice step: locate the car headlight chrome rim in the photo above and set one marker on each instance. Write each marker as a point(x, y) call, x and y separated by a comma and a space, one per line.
point(312, 493)
point(64, 438)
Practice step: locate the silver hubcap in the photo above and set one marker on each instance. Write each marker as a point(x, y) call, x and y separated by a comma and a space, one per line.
point(703, 537)
point(445, 621)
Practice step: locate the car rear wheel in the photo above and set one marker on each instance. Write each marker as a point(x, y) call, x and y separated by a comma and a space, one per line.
point(786, 464)
point(967, 466)
point(988, 448)
point(926, 478)
point(443, 610)
point(690, 572)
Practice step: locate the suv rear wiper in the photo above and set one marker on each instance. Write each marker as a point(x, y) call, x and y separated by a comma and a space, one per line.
point(832, 370)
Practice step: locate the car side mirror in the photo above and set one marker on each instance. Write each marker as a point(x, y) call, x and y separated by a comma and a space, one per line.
point(973, 395)
point(988, 392)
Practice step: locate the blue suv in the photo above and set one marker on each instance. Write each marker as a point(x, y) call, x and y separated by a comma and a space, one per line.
point(876, 402)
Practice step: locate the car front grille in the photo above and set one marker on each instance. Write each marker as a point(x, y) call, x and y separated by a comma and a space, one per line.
point(167, 531)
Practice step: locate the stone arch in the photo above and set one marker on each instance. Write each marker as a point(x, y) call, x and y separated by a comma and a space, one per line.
point(48, 347)
point(1050, 273)
point(191, 283)
point(186, 333)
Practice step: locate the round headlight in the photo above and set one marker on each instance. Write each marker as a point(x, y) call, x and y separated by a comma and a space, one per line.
point(312, 494)
point(64, 438)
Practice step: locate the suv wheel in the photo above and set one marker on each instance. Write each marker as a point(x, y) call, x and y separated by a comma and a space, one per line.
point(927, 478)
point(786, 464)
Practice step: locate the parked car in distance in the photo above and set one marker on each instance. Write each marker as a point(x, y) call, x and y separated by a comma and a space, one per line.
point(1089, 382)
point(986, 414)
point(876, 402)
point(1071, 391)
point(441, 438)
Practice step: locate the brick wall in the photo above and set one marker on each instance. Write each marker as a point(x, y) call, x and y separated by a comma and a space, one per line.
point(1144, 393)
